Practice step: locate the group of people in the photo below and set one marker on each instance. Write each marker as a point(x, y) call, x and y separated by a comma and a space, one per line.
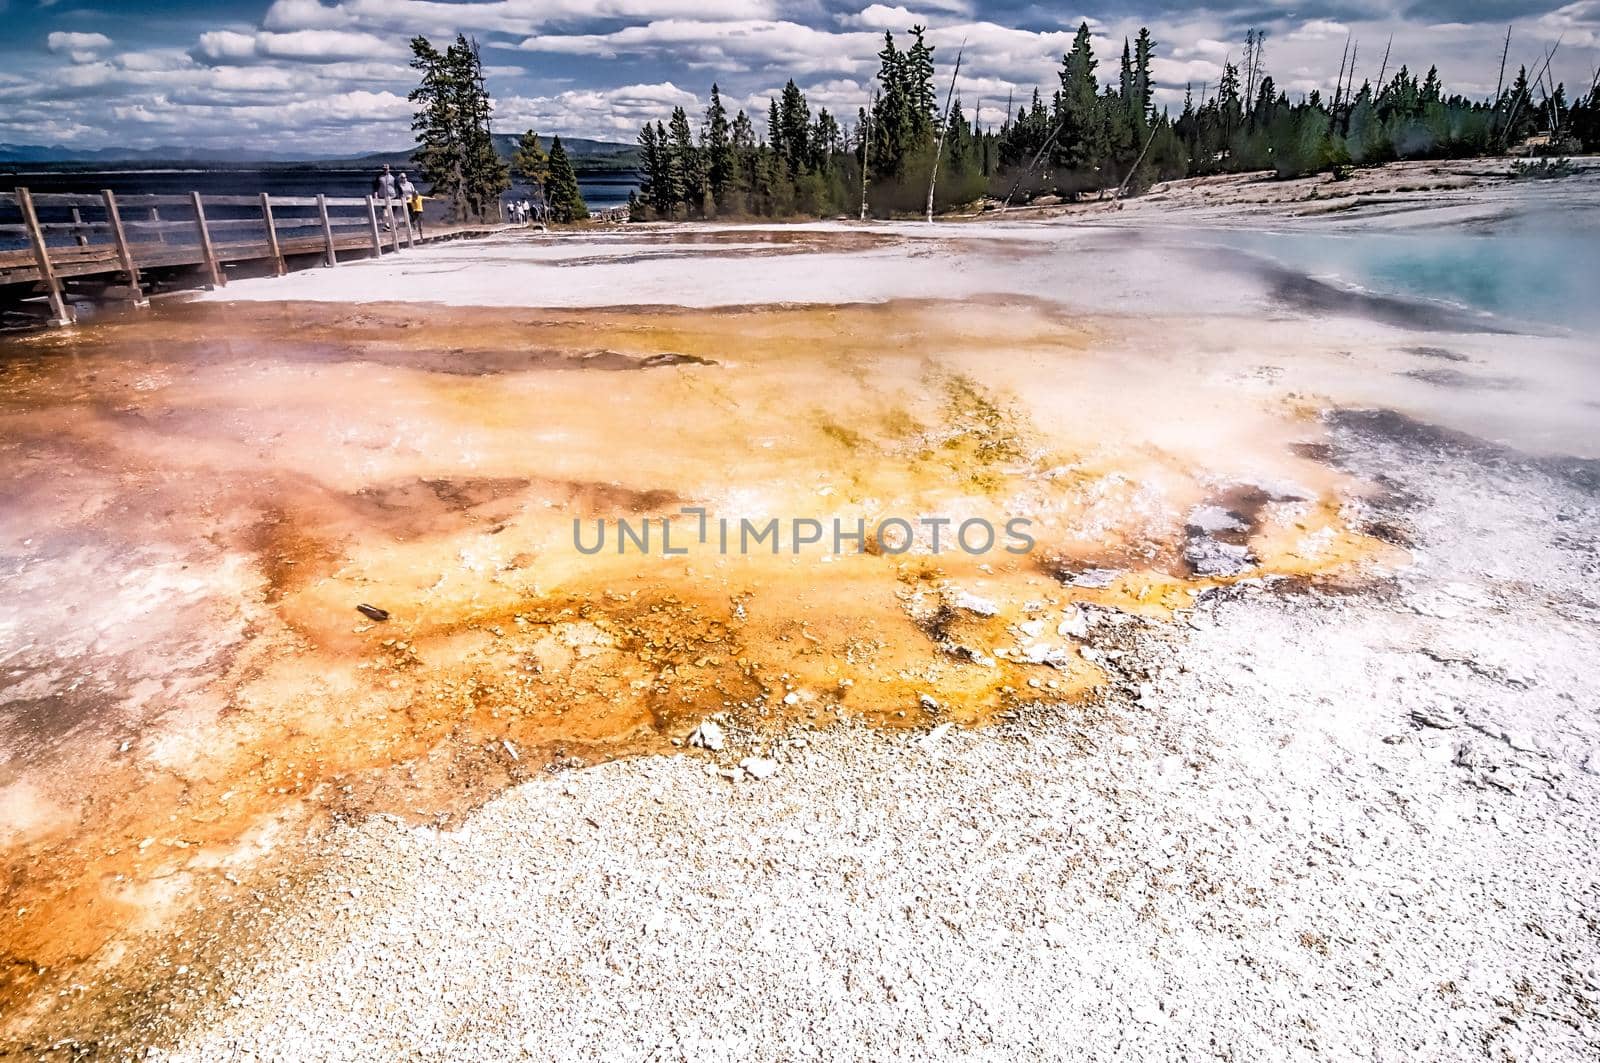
point(522, 213)
point(389, 188)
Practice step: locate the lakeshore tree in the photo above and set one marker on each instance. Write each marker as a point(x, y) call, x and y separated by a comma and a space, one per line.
point(566, 200)
point(532, 164)
point(453, 125)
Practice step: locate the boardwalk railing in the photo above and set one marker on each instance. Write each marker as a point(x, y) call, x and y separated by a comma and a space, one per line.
point(77, 235)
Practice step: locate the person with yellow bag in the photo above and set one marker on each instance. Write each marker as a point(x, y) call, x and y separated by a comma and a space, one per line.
point(412, 200)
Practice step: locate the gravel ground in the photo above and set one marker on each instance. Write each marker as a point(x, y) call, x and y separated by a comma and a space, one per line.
point(1306, 825)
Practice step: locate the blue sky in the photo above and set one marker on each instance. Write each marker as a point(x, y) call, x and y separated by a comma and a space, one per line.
point(328, 76)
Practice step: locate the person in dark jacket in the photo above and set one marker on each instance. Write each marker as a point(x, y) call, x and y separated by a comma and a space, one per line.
point(387, 191)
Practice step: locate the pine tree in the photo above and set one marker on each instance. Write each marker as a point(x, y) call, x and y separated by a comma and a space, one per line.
point(684, 165)
point(1143, 88)
point(484, 174)
point(652, 175)
point(532, 165)
point(719, 150)
point(566, 200)
point(667, 186)
point(438, 155)
point(826, 139)
point(1078, 105)
point(1125, 79)
point(744, 156)
point(794, 125)
point(919, 82)
point(891, 118)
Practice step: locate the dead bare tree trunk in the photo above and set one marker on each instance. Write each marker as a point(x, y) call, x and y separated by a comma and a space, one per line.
point(1123, 187)
point(1550, 97)
point(866, 151)
point(1499, 86)
point(1049, 141)
point(1338, 82)
point(944, 127)
point(1516, 105)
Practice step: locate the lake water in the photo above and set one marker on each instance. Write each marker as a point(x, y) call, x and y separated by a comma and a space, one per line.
point(1538, 270)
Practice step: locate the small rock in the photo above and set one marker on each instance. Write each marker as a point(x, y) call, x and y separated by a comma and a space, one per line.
point(1045, 653)
point(1073, 624)
point(972, 603)
point(1208, 557)
point(1209, 520)
point(932, 738)
point(928, 703)
point(759, 768)
point(1095, 578)
point(707, 736)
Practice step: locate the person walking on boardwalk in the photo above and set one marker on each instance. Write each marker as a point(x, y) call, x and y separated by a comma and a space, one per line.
point(411, 200)
point(385, 188)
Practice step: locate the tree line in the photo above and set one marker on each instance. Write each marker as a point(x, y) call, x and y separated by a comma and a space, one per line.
point(455, 145)
point(805, 163)
point(1084, 136)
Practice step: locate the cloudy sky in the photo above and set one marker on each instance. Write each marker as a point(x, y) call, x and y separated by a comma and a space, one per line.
point(330, 76)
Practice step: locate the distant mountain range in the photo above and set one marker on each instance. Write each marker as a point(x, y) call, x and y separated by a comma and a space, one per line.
point(587, 155)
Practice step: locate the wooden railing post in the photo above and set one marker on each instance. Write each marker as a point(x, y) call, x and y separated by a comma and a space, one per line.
point(41, 255)
point(372, 216)
point(212, 266)
point(394, 230)
point(272, 236)
point(77, 219)
point(155, 216)
point(405, 212)
point(124, 251)
point(327, 230)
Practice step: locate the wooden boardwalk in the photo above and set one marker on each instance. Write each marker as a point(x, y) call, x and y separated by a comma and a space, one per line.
point(107, 246)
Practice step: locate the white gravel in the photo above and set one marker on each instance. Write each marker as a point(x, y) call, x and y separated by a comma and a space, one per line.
point(1303, 826)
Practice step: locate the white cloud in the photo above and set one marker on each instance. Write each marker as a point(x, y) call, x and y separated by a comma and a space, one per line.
point(316, 46)
point(740, 45)
point(79, 47)
point(1319, 29)
point(67, 42)
point(616, 112)
point(881, 17)
point(501, 16)
point(1578, 25)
